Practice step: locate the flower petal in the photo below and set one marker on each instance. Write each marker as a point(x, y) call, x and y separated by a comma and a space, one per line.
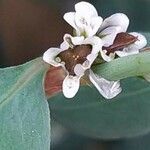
point(82, 21)
point(127, 51)
point(79, 70)
point(71, 86)
point(108, 35)
point(64, 45)
point(133, 48)
point(71, 41)
point(108, 89)
point(90, 59)
point(96, 43)
point(86, 9)
point(50, 56)
point(141, 42)
point(83, 18)
point(78, 40)
point(118, 19)
point(88, 25)
point(106, 57)
point(70, 18)
point(95, 24)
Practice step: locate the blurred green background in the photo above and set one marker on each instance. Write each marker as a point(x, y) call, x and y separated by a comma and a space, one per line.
point(29, 27)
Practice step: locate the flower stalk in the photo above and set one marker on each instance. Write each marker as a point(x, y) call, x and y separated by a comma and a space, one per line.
point(129, 66)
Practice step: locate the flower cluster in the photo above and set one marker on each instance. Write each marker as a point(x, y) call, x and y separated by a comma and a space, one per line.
point(94, 39)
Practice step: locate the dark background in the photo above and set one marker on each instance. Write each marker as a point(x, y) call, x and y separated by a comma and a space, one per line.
point(30, 27)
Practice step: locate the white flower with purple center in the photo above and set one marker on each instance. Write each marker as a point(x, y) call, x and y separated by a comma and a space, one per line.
point(75, 56)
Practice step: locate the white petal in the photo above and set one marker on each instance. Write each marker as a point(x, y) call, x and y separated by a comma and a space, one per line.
point(108, 89)
point(90, 59)
point(133, 48)
point(70, 41)
point(86, 9)
point(87, 25)
point(79, 70)
point(67, 42)
point(109, 34)
point(118, 19)
point(141, 42)
point(127, 52)
point(50, 56)
point(84, 13)
point(94, 25)
point(96, 43)
point(85, 20)
point(65, 45)
point(107, 58)
point(71, 86)
point(70, 18)
point(82, 21)
point(147, 77)
point(77, 40)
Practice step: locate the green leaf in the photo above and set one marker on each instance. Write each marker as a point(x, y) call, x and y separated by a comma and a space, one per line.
point(24, 112)
point(147, 77)
point(90, 114)
point(126, 115)
point(138, 143)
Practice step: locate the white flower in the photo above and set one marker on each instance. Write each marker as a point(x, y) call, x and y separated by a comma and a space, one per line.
point(111, 26)
point(135, 42)
point(76, 55)
point(108, 31)
point(117, 42)
point(116, 25)
point(85, 20)
point(135, 47)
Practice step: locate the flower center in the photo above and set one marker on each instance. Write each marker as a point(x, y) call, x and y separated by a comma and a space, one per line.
point(121, 41)
point(75, 55)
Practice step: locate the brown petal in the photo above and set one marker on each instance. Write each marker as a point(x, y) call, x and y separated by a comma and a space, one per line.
point(121, 41)
point(75, 55)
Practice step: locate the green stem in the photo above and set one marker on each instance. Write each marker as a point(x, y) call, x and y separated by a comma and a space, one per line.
point(133, 65)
